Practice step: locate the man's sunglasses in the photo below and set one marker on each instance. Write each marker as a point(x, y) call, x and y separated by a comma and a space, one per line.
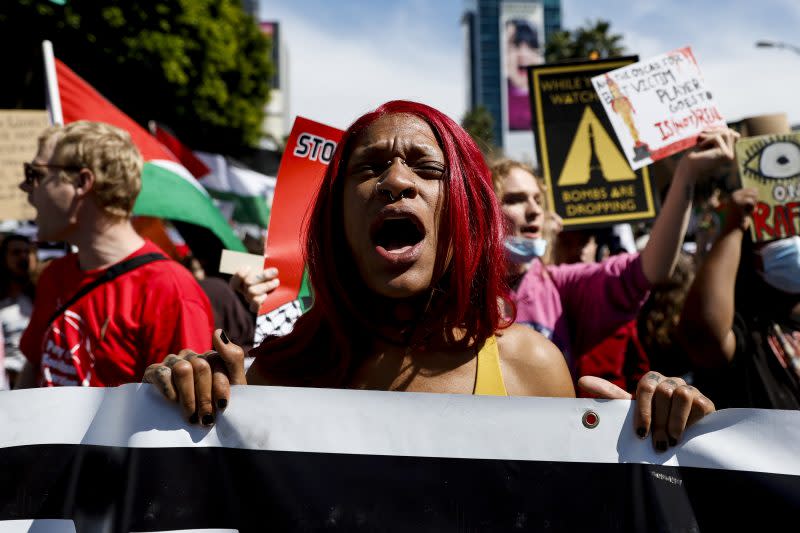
point(33, 176)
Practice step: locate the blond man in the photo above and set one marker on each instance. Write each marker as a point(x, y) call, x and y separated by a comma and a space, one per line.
point(105, 313)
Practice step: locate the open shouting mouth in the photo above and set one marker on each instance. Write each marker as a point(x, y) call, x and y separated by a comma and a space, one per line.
point(397, 235)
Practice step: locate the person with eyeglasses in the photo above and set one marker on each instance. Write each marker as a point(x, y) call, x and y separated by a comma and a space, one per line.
point(105, 313)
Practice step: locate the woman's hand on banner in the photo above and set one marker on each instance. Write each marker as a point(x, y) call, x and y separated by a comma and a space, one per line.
point(665, 406)
point(200, 383)
point(255, 286)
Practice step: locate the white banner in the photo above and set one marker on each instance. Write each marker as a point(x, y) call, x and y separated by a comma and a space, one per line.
point(105, 458)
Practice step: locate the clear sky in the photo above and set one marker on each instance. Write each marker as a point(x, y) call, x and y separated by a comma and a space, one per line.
point(348, 56)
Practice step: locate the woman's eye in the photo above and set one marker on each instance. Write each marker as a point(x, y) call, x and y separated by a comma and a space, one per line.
point(430, 171)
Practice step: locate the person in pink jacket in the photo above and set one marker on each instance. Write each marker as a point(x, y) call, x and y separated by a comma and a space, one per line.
point(578, 305)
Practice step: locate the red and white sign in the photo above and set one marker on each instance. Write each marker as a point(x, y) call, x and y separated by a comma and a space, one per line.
point(308, 152)
point(658, 107)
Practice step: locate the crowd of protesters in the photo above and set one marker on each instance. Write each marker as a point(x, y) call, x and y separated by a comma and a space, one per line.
point(431, 271)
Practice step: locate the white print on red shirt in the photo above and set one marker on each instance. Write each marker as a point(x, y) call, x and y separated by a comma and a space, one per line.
point(67, 357)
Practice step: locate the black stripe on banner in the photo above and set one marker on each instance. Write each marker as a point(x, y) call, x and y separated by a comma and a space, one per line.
point(150, 489)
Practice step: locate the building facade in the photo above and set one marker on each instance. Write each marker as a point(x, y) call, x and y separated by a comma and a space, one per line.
point(495, 31)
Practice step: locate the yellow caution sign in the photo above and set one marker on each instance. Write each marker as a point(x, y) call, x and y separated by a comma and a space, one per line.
point(593, 151)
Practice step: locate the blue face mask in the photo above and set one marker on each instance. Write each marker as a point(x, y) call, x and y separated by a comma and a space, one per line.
point(782, 264)
point(521, 250)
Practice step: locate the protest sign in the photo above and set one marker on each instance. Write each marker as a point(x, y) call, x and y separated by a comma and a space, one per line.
point(589, 181)
point(308, 152)
point(294, 459)
point(658, 106)
point(19, 131)
point(771, 164)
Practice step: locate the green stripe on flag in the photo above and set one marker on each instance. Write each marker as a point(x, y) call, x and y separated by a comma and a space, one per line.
point(166, 195)
point(305, 296)
point(247, 209)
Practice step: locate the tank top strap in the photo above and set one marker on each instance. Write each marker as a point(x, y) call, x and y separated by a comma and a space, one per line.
point(489, 378)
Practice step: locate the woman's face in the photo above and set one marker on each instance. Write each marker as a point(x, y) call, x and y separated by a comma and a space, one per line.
point(393, 198)
point(518, 57)
point(521, 203)
point(18, 258)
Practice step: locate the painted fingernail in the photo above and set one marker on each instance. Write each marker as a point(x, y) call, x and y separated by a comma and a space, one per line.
point(641, 432)
point(208, 419)
point(272, 272)
point(224, 338)
point(222, 403)
point(661, 445)
point(672, 442)
point(193, 419)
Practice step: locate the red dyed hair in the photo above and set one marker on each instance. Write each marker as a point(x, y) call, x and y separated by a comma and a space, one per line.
point(468, 277)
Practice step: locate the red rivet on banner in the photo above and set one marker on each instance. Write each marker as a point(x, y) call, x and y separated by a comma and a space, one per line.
point(590, 419)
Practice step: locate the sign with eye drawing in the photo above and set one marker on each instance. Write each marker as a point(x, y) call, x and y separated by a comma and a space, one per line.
point(771, 164)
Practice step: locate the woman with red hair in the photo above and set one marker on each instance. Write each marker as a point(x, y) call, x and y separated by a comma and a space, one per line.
point(405, 253)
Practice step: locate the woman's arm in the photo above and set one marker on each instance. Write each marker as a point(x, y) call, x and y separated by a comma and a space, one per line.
point(661, 253)
point(707, 317)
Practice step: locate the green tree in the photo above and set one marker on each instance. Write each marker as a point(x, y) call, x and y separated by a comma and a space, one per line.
point(592, 41)
point(480, 125)
point(200, 66)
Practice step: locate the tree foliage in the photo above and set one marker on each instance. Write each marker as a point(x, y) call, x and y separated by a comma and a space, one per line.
point(201, 67)
point(592, 41)
point(478, 122)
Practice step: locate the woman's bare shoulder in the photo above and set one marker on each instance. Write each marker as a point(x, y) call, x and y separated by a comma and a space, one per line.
point(531, 364)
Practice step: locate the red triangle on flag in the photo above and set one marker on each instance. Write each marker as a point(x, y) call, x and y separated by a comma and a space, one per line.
point(80, 101)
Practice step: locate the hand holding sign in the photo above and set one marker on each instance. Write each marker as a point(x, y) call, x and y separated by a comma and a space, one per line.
point(714, 147)
point(255, 286)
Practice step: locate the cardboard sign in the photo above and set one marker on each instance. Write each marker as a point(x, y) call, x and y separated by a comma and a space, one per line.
point(771, 164)
point(19, 131)
point(589, 181)
point(231, 262)
point(658, 107)
point(308, 152)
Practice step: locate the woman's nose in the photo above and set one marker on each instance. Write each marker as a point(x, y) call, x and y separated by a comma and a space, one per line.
point(397, 181)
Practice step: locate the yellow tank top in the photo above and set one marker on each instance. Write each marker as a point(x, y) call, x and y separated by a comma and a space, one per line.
point(489, 378)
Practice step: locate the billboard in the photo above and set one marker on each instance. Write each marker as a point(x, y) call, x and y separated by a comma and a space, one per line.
point(521, 46)
point(273, 31)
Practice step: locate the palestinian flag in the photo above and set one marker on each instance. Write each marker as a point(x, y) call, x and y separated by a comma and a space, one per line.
point(244, 192)
point(168, 189)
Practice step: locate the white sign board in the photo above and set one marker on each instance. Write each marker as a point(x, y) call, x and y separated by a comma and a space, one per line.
point(658, 107)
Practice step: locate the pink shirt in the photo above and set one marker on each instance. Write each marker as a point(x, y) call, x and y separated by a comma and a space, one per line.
point(576, 306)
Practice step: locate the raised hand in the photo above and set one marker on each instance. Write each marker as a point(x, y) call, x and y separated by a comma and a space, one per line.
point(713, 148)
point(200, 383)
point(742, 204)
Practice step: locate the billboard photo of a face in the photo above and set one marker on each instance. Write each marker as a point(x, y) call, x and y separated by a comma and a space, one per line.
point(522, 45)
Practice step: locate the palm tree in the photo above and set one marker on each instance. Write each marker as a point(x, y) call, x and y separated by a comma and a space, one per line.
point(592, 41)
point(480, 125)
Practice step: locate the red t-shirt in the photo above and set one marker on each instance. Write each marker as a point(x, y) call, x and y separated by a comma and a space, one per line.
point(110, 335)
